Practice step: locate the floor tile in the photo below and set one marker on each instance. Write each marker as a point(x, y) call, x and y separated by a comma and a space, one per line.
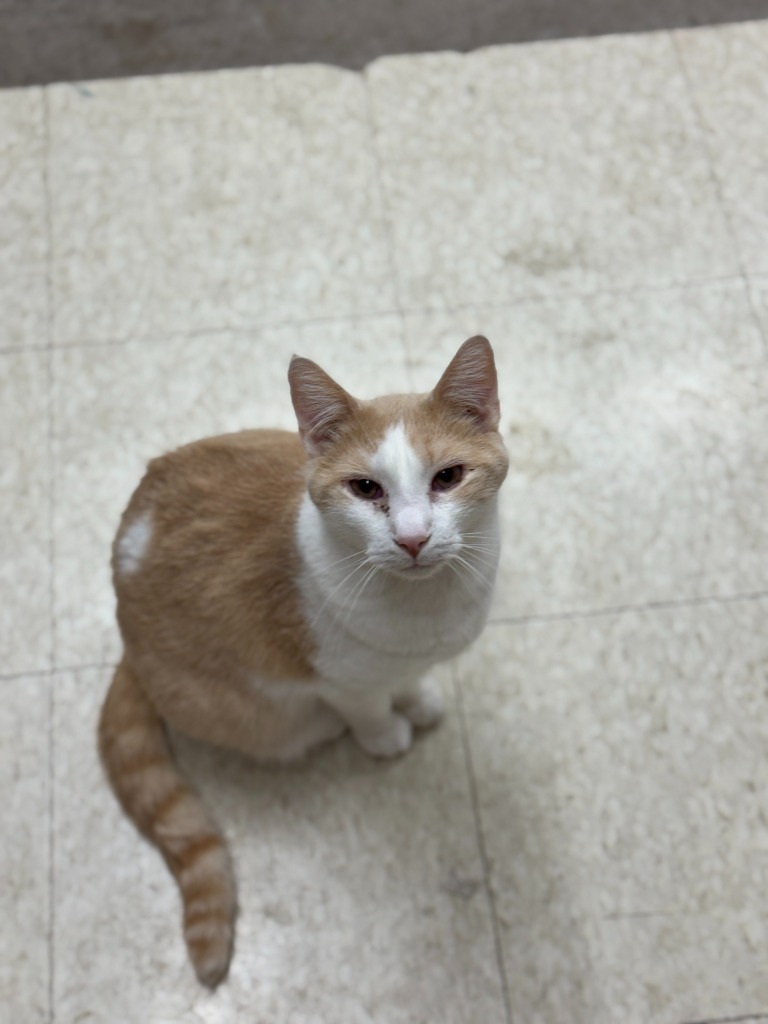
point(758, 290)
point(199, 202)
point(24, 858)
point(728, 70)
point(118, 406)
point(360, 888)
point(622, 784)
point(23, 231)
point(25, 570)
point(531, 170)
point(636, 428)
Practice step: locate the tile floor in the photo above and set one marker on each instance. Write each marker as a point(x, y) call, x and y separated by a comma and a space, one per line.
point(585, 840)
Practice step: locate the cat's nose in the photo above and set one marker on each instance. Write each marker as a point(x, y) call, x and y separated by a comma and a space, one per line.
point(413, 545)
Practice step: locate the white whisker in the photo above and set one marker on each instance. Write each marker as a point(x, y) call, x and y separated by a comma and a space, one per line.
point(354, 599)
point(474, 571)
point(337, 588)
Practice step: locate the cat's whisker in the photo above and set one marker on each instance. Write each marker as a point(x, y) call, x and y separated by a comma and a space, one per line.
point(478, 538)
point(347, 558)
point(484, 582)
point(459, 574)
point(476, 559)
point(478, 553)
point(482, 549)
point(364, 561)
point(358, 592)
point(465, 578)
point(354, 598)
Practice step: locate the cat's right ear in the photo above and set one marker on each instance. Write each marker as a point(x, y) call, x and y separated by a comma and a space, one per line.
point(469, 386)
point(321, 405)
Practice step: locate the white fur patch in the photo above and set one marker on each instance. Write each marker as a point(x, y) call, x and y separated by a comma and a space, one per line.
point(133, 543)
point(397, 466)
point(396, 461)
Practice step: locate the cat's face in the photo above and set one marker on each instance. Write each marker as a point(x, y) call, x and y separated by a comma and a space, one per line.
point(406, 480)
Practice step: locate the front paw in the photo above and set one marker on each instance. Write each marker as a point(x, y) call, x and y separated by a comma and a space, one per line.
point(392, 739)
point(424, 708)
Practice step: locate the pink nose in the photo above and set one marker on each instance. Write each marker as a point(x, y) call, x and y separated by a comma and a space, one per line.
point(412, 545)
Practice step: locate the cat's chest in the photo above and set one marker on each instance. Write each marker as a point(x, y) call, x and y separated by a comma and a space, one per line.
point(386, 635)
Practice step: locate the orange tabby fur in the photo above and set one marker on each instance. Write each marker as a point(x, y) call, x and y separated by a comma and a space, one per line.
point(213, 603)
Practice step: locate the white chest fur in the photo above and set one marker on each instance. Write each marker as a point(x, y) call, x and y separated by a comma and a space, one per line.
point(378, 628)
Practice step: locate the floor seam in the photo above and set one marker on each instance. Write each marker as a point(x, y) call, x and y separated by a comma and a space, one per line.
point(49, 369)
point(386, 212)
point(718, 187)
point(175, 334)
point(560, 294)
point(39, 673)
point(51, 851)
point(622, 609)
point(51, 557)
point(482, 847)
point(714, 177)
point(256, 329)
point(749, 1018)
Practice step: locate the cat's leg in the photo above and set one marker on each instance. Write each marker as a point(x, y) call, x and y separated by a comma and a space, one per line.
point(422, 703)
point(322, 726)
point(282, 725)
point(379, 730)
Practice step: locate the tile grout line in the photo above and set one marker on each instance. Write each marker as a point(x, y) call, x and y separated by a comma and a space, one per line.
point(749, 1018)
point(38, 673)
point(402, 312)
point(51, 560)
point(51, 853)
point(482, 847)
point(704, 135)
point(387, 217)
point(717, 184)
point(577, 294)
point(623, 609)
point(49, 346)
point(665, 604)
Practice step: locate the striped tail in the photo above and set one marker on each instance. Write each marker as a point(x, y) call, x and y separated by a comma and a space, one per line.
point(139, 762)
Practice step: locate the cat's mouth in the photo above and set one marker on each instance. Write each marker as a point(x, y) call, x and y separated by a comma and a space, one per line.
point(419, 570)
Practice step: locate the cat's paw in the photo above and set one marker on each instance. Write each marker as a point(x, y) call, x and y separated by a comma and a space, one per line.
point(392, 739)
point(424, 708)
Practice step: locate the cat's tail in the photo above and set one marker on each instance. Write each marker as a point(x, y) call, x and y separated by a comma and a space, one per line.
point(141, 768)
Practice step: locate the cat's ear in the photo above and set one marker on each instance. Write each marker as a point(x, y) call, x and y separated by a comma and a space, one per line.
point(469, 385)
point(321, 405)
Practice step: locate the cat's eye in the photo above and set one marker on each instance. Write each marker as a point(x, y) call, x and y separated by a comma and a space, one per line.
point(369, 490)
point(447, 478)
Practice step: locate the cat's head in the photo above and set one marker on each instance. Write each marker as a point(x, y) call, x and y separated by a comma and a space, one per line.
point(408, 480)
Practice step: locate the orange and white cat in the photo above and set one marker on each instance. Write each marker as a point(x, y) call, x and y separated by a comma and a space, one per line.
point(275, 590)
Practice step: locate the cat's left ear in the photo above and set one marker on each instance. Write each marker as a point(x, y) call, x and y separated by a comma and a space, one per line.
point(469, 385)
point(321, 405)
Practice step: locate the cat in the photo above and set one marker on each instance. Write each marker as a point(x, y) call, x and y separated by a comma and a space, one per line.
point(275, 590)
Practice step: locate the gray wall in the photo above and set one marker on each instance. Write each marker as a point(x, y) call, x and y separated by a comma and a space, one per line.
point(59, 40)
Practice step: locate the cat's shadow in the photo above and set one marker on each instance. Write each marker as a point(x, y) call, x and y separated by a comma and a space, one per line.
point(366, 848)
point(370, 839)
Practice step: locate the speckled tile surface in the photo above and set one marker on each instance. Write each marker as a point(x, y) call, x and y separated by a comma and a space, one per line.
point(25, 826)
point(595, 208)
point(349, 878)
point(728, 71)
point(622, 796)
point(572, 166)
point(25, 562)
point(207, 201)
point(23, 227)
